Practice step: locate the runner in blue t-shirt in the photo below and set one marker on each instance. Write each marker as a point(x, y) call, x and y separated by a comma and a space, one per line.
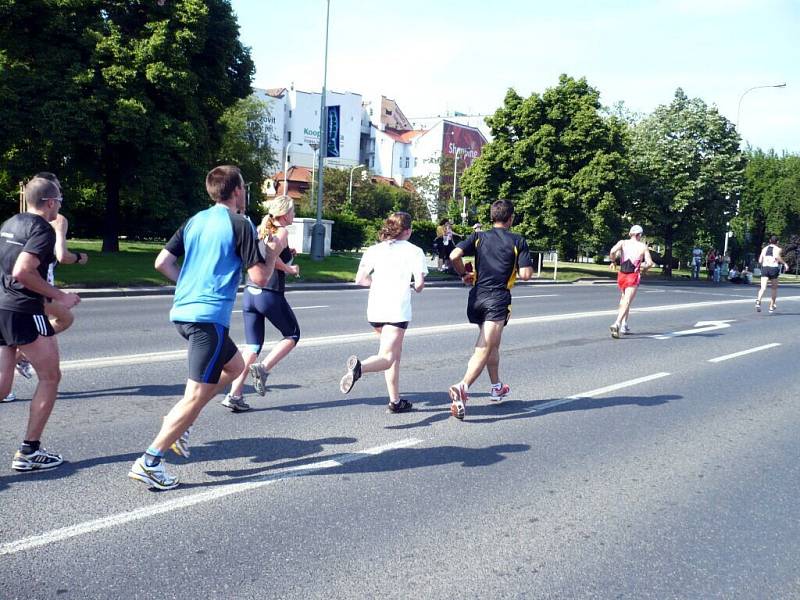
point(215, 244)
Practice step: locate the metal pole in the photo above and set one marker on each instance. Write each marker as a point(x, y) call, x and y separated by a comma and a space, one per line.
point(757, 87)
point(286, 166)
point(318, 231)
point(350, 186)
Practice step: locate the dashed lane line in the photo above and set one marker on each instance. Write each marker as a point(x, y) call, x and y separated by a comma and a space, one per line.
point(599, 391)
point(743, 353)
point(145, 512)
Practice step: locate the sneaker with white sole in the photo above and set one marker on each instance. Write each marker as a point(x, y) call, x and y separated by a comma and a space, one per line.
point(352, 375)
point(498, 393)
point(235, 403)
point(458, 400)
point(181, 445)
point(259, 375)
point(614, 331)
point(25, 368)
point(10, 398)
point(155, 476)
point(625, 330)
point(36, 461)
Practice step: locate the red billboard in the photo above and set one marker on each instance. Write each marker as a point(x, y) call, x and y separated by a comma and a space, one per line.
point(466, 141)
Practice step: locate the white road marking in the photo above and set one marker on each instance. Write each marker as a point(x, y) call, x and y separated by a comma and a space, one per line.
point(145, 512)
point(699, 327)
point(298, 307)
point(743, 352)
point(330, 340)
point(598, 391)
point(535, 296)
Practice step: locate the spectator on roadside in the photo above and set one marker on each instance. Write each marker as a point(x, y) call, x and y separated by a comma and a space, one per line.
point(696, 262)
point(734, 275)
point(711, 261)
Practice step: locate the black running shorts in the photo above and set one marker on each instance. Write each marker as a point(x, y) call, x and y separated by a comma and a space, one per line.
point(19, 329)
point(398, 324)
point(210, 349)
point(488, 305)
point(770, 272)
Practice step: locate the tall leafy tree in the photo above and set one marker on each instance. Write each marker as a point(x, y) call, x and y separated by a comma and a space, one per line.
point(126, 94)
point(561, 160)
point(770, 200)
point(687, 170)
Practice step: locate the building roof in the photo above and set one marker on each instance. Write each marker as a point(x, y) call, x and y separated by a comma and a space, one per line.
point(383, 180)
point(403, 136)
point(392, 116)
point(298, 174)
point(275, 92)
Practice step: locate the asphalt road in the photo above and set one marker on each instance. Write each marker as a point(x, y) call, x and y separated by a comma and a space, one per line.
point(662, 465)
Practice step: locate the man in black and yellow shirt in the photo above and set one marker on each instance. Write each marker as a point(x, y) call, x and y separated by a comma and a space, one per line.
point(500, 257)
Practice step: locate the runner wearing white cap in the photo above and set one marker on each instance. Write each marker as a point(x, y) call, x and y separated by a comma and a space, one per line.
point(634, 258)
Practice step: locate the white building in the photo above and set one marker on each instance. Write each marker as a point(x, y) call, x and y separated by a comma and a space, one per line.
point(296, 123)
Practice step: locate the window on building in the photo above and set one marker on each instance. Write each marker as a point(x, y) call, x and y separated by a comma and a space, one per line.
point(289, 138)
point(407, 159)
point(290, 114)
point(371, 162)
point(416, 161)
point(400, 162)
point(370, 112)
point(289, 158)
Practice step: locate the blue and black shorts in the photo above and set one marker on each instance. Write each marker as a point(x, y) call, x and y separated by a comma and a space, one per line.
point(210, 349)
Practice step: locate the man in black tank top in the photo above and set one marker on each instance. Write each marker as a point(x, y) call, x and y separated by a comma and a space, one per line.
point(27, 247)
point(771, 262)
point(500, 257)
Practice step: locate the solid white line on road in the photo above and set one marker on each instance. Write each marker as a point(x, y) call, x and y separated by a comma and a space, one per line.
point(536, 296)
point(297, 308)
point(145, 512)
point(743, 353)
point(332, 340)
point(599, 391)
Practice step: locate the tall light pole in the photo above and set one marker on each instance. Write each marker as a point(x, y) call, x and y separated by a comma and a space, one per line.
point(748, 90)
point(318, 231)
point(350, 185)
point(728, 232)
point(286, 165)
point(455, 180)
point(314, 147)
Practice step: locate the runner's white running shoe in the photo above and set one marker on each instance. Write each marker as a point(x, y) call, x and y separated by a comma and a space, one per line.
point(10, 398)
point(36, 461)
point(152, 476)
point(498, 393)
point(181, 445)
point(25, 368)
point(259, 375)
point(235, 403)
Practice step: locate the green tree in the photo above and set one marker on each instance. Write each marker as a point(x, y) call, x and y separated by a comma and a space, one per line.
point(686, 171)
point(562, 162)
point(122, 98)
point(247, 141)
point(770, 202)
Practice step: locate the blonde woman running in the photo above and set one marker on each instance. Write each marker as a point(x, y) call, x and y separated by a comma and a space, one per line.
point(386, 269)
point(268, 303)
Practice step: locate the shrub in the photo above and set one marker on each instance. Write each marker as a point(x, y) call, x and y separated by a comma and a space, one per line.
point(349, 232)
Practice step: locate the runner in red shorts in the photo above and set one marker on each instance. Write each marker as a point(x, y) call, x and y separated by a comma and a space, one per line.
point(634, 257)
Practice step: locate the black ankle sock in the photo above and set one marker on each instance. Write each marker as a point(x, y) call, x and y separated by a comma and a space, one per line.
point(29, 447)
point(151, 460)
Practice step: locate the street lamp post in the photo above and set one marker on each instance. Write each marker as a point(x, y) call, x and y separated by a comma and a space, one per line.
point(350, 185)
point(314, 147)
point(286, 165)
point(318, 232)
point(728, 232)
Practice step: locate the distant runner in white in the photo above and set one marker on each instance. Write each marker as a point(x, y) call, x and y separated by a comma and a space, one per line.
point(632, 253)
point(386, 269)
point(771, 261)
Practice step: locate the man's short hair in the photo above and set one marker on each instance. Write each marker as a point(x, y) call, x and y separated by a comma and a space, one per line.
point(221, 181)
point(501, 211)
point(49, 176)
point(39, 190)
point(773, 239)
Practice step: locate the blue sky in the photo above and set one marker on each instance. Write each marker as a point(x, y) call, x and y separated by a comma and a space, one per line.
point(438, 55)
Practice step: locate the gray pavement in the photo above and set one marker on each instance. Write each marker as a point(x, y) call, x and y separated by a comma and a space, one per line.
point(664, 476)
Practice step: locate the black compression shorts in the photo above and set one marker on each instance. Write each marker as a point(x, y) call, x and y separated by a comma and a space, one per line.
point(210, 349)
point(259, 304)
point(488, 305)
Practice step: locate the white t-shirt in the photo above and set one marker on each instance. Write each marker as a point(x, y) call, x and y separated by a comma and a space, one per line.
point(392, 263)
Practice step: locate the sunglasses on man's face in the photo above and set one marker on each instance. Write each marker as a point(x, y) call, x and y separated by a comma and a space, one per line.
point(58, 199)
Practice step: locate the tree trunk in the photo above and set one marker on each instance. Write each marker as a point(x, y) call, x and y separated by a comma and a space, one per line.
point(111, 221)
point(668, 234)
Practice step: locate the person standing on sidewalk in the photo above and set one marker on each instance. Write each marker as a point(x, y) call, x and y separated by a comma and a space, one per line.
point(268, 302)
point(771, 261)
point(500, 257)
point(387, 269)
point(27, 248)
point(634, 258)
point(215, 244)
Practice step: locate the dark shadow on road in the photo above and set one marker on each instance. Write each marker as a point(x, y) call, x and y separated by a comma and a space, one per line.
point(486, 412)
point(381, 401)
point(401, 459)
point(154, 391)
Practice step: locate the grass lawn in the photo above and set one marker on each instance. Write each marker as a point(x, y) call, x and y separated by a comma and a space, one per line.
point(133, 266)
